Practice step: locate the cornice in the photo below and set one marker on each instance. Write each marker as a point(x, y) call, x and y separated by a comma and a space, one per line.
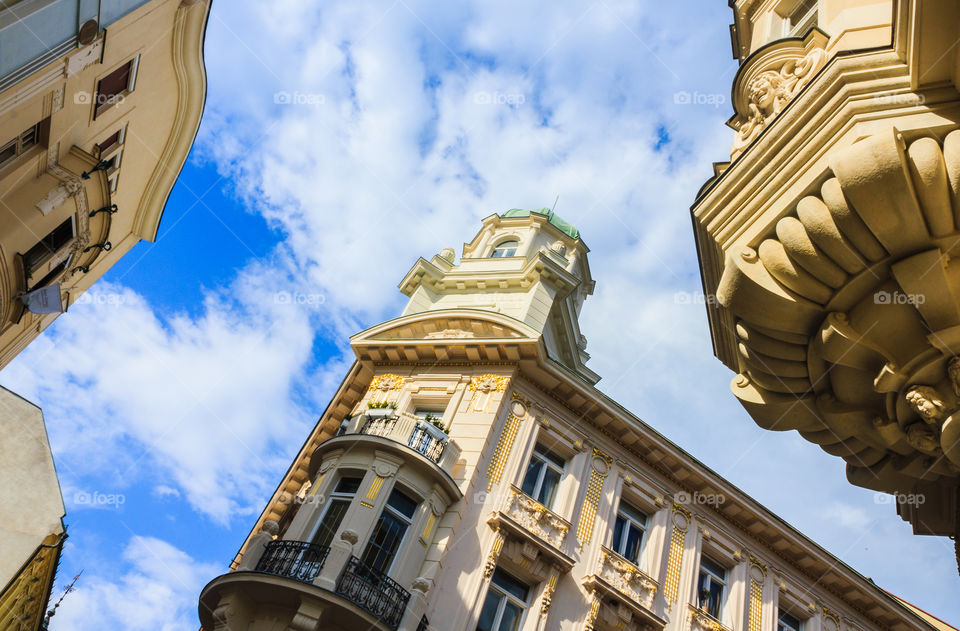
point(189, 30)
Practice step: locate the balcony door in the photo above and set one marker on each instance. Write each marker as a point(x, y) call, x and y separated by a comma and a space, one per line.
point(388, 533)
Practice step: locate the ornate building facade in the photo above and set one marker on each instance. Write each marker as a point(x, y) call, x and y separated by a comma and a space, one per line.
point(828, 239)
point(467, 475)
point(99, 105)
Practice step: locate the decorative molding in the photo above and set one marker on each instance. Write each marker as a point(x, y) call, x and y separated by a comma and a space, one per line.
point(599, 468)
point(489, 383)
point(502, 451)
point(536, 518)
point(866, 254)
point(626, 578)
point(758, 574)
point(768, 81)
point(495, 550)
point(680, 519)
point(700, 620)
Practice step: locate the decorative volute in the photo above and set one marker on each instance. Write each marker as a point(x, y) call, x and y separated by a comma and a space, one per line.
point(529, 265)
point(848, 319)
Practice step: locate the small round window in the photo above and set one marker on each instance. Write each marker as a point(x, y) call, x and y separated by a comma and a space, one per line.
point(505, 248)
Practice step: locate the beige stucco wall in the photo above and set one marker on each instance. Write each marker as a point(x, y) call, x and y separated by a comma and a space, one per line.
point(31, 506)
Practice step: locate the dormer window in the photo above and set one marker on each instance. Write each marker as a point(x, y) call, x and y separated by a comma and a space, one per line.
point(505, 248)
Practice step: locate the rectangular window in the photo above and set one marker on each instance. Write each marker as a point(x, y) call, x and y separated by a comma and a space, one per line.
point(786, 622)
point(628, 532)
point(21, 144)
point(336, 508)
point(504, 606)
point(112, 88)
point(711, 585)
point(543, 475)
point(389, 531)
point(803, 16)
point(428, 414)
point(48, 246)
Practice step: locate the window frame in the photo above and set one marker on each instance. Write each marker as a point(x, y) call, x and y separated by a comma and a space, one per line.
point(335, 496)
point(133, 65)
point(629, 521)
point(804, 18)
point(543, 454)
point(506, 597)
point(19, 150)
point(42, 260)
point(496, 248)
point(396, 514)
point(782, 611)
point(712, 576)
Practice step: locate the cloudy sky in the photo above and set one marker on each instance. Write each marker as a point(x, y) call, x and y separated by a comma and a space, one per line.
point(342, 140)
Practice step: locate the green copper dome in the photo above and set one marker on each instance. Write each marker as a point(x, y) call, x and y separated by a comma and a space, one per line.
point(563, 226)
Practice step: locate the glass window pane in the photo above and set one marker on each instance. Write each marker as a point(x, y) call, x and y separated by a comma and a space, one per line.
point(488, 614)
point(548, 490)
point(530, 479)
point(713, 567)
point(632, 513)
point(513, 586)
point(511, 617)
point(402, 503)
point(786, 622)
point(618, 535)
point(383, 543)
point(331, 522)
point(632, 549)
point(348, 485)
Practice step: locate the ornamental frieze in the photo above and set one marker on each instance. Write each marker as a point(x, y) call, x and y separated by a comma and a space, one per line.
point(537, 518)
point(626, 578)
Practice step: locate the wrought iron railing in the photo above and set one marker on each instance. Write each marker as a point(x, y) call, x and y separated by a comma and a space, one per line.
point(424, 624)
point(424, 442)
point(298, 560)
point(373, 591)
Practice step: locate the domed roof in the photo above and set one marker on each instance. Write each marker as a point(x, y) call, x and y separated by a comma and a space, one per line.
point(564, 227)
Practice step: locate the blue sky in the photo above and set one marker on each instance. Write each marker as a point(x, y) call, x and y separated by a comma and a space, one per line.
point(341, 141)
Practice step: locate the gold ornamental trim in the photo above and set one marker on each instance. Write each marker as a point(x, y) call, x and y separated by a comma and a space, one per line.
point(502, 451)
point(600, 467)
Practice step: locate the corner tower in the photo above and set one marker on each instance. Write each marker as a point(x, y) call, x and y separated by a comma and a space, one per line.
point(528, 265)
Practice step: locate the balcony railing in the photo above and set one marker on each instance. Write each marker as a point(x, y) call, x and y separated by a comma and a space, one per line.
point(373, 591)
point(407, 429)
point(298, 560)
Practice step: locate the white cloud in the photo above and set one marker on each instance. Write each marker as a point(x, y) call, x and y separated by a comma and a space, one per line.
point(157, 591)
point(433, 115)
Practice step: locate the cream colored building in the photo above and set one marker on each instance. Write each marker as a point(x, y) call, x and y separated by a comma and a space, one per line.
point(99, 104)
point(828, 239)
point(31, 515)
point(468, 475)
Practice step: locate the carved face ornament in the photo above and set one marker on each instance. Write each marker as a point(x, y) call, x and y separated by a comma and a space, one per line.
point(926, 402)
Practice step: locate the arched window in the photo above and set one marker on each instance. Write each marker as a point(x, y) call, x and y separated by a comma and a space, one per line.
point(505, 248)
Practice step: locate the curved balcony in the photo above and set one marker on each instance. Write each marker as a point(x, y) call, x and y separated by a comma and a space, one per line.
point(298, 580)
point(373, 591)
point(298, 560)
point(404, 434)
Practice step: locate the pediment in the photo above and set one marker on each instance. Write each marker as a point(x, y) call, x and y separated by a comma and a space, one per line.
point(449, 325)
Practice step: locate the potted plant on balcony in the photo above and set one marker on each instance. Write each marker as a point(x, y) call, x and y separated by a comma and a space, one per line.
point(436, 422)
point(381, 409)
